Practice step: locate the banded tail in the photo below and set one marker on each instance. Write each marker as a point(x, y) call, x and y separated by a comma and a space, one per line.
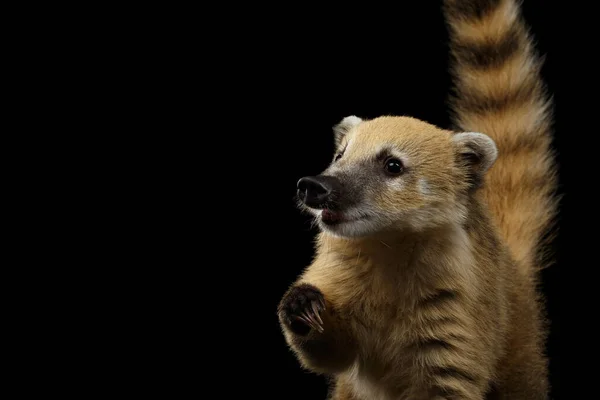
point(499, 92)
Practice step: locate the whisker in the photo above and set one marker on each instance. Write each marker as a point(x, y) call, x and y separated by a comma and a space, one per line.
point(385, 244)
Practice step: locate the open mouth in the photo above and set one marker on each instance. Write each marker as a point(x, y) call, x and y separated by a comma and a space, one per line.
point(330, 217)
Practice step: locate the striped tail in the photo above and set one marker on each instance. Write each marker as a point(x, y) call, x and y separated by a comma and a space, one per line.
point(499, 92)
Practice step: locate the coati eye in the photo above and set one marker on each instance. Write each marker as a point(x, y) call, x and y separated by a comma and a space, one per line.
point(340, 154)
point(393, 166)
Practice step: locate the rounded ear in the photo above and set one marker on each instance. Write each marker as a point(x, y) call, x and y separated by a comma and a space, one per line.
point(478, 152)
point(343, 127)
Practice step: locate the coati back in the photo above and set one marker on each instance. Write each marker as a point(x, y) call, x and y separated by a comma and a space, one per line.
point(423, 285)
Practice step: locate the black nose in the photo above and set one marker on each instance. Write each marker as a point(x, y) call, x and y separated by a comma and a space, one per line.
point(316, 191)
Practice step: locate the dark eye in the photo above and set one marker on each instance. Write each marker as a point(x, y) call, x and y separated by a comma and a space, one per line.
point(393, 166)
point(340, 154)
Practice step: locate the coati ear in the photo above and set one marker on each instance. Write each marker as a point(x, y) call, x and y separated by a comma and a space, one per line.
point(343, 127)
point(478, 152)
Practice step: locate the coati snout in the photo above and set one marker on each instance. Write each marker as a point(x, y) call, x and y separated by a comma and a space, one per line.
point(321, 192)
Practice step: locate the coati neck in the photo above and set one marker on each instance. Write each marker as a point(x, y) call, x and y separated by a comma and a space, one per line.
point(393, 248)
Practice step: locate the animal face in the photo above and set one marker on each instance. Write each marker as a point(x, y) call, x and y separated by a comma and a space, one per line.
point(394, 173)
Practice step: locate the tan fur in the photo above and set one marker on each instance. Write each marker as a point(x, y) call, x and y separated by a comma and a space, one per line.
point(525, 171)
point(436, 297)
point(489, 27)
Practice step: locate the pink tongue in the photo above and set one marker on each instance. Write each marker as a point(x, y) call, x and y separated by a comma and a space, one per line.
point(331, 216)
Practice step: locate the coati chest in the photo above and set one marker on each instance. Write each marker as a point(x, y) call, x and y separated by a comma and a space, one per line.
point(392, 350)
point(404, 314)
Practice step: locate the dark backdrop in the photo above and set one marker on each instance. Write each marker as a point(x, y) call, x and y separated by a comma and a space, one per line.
point(396, 63)
point(272, 83)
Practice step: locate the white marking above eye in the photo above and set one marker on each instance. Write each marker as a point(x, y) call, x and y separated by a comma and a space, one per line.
point(394, 152)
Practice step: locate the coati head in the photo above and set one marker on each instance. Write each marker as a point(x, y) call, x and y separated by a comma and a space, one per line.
point(395, 173)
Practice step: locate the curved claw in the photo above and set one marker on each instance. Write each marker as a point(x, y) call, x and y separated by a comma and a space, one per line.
point(308, 316)
point(306, 321)
point(317, 312)
point(313, 322)
point(322, 303)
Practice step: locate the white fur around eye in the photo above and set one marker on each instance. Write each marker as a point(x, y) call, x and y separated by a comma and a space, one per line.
point(397, 184)
point(424, 187)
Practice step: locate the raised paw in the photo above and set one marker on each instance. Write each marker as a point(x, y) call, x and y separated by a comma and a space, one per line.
point(301, 309)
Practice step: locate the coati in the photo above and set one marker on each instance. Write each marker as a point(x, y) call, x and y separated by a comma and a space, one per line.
point(424, 279)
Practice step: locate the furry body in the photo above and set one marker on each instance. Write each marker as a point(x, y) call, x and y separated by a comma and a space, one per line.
point(426, 289)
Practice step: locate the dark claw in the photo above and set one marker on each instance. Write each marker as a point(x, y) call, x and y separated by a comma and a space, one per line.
point(313, 322)
point(303, 319)
point(301, 308)
point(316, 312)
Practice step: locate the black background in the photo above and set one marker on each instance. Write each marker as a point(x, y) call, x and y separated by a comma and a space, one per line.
point(399, 68)
point(270, 84)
